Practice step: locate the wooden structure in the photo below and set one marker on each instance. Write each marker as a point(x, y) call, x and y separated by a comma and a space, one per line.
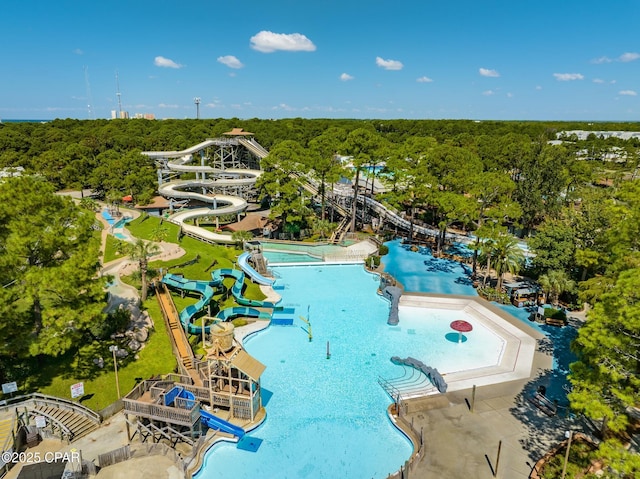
point(145, 409)
point(226, 380)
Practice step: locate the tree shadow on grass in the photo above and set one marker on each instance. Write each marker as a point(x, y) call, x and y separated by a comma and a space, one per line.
point(82, 364)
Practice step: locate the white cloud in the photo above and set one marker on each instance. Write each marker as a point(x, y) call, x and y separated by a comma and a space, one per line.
point(486, 72)
point(598, 80)
point(269, 42)
point(165, 63)
point(283, 106)
point(629, 57)
point(78, 51)
point(488, 93)
point(568, 76)
point(166, 105)
point(424, 80)
point(389, 64)
point(346, 77)
point(600, 60)
point(230, 61)
point(628, 93)
point(509, 95)
point(538, 87)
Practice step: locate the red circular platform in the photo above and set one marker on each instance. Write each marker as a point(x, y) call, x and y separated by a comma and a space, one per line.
point(461, 326)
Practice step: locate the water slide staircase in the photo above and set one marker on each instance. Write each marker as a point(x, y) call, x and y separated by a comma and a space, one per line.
point(66, 419)
point(417, 380)
point(243, 262)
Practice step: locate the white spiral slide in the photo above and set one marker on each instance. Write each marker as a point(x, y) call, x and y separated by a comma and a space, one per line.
point(206, 178)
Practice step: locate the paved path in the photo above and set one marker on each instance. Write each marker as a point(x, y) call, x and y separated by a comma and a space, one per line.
point(461, 444)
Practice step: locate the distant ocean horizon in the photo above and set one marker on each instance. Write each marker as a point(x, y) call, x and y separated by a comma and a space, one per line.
point(3, 120)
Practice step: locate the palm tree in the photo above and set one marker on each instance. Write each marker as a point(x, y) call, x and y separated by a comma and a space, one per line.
point(486, 247)
point(554, 283)
point(140, 251)
point(322, 228)
point(240, 237)
point(508, 255)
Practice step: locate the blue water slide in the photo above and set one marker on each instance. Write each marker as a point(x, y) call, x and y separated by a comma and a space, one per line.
point(243, 262)
point(178, 392)
point(214, 422)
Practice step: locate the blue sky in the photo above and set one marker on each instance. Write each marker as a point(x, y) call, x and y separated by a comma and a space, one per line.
point(459, 59)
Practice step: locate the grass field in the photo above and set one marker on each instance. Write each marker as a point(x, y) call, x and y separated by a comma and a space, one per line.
point(56, 375)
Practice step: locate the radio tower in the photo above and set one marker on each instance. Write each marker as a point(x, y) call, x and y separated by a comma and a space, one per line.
point(196, 100)
point(118, 96)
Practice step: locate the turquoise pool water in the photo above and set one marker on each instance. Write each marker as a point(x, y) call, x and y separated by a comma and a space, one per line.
point(316, 250)
point(284, 257)
point(327, 417)
point(421, 272)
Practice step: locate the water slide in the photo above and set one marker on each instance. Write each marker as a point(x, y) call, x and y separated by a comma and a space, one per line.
point(206, 290)
point(238, 286)
point(393, 293)
point(208, 419)
point(206, 177)
point(214, 422)
point(243, 262)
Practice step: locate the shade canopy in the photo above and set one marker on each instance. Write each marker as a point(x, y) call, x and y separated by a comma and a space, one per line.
point(461, 326)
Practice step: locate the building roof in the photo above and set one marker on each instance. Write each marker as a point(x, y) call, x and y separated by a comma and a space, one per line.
point(157, 202)
point(248, 365)
point(248, 223)
point(238, 132)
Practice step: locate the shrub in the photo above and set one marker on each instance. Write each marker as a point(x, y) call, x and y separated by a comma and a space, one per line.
point(114, 322)
point(383, 250)
point(555, 314)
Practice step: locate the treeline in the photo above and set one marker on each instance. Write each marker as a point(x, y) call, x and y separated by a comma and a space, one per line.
point(104, 154)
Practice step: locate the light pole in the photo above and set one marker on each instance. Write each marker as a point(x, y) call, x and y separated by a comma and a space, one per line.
point(569, 436)
point(196, 100)
point(113, 349)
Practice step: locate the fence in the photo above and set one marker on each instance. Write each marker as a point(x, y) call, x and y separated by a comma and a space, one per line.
point(140, 450)
point(111, 410)
point(396, 411)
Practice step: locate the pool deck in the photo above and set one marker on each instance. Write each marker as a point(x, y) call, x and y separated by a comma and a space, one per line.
point(461, 443)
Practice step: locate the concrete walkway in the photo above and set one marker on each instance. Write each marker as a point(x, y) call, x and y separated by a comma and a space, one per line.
point(461, 444)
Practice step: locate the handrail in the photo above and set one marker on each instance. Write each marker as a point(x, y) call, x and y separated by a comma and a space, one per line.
point(54, 401)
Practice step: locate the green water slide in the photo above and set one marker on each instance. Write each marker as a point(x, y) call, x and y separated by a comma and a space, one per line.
point(206, 290)
point(238, 286)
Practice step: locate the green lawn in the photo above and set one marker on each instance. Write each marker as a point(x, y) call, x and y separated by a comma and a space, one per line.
point(55, 376)
point(112, 249)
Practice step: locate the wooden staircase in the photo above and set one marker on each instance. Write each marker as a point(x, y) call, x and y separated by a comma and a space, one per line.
point(71, 424)
point(178, 336)
point(7, 433)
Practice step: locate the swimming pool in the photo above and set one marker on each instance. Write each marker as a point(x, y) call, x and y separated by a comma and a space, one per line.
point(327, 417)
point(419, 271)
point(288, 257)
